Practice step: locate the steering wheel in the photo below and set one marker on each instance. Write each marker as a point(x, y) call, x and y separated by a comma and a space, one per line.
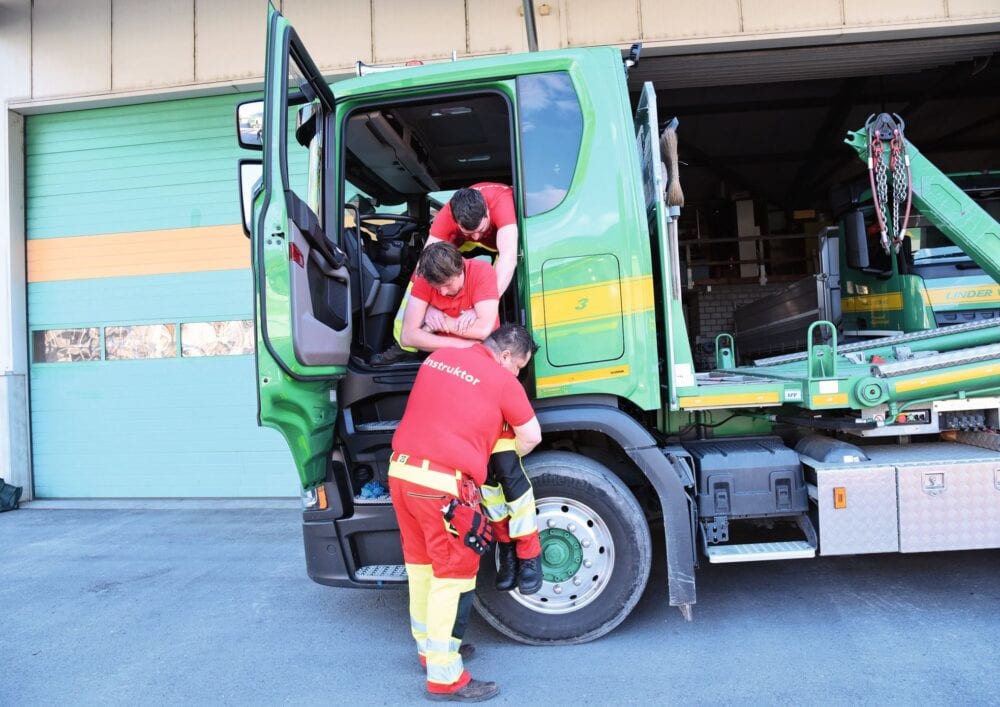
point(402, 218)
point(395, 226)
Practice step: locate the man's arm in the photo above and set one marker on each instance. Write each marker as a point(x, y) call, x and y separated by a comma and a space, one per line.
point(415, 336)
point(477, 328)
point(506, 261)
point(433, 313)
point(527, 436)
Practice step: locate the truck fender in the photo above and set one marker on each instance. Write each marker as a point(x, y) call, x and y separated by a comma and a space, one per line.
point(667, 473)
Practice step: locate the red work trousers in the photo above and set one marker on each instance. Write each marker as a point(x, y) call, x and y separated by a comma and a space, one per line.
point(440, 568)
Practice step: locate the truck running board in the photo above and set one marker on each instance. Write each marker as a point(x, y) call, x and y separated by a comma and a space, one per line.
point(759, 552)
point(378, 574)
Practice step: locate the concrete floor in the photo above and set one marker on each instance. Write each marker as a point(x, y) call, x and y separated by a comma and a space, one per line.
point(198, 606)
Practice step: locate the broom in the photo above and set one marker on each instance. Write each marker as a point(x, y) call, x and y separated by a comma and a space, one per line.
point(668, 153)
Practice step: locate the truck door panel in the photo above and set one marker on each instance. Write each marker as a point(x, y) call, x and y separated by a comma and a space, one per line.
point(304, 279)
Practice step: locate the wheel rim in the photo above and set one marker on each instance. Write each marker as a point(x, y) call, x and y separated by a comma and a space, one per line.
point(578, 556)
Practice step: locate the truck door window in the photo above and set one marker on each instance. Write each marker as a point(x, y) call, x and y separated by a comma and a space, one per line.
point(551, 126)
point(303, 141)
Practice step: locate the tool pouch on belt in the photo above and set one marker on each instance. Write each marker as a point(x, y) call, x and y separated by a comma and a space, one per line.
point(467, 522)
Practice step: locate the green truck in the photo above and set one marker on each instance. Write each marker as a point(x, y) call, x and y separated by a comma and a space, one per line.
point(793, 459)
point(869, 293)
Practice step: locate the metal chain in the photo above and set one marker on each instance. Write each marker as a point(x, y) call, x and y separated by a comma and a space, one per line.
point(881, 186)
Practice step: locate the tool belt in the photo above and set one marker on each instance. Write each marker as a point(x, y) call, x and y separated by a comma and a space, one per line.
point(429, 474)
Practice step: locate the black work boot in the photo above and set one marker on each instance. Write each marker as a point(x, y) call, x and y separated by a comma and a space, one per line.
point(507, 571)
point(393, 354)
point(474, 691)
point(529, 575)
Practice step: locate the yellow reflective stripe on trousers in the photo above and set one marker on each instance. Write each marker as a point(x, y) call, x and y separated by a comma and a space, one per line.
point(421, 475)
point(444, 663)
point(419, 578)
point(493, 502)
point(522, 515)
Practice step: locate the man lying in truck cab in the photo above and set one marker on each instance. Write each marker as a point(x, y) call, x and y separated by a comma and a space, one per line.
point(453, 302)
point(480, 217)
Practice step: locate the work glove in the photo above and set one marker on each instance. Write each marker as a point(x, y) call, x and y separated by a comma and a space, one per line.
point(469, 524)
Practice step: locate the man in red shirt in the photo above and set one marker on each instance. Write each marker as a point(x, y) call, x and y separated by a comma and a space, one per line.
point(447, 286)
point(453, 303)
point(482, 215)
point(435, 463)
point(478, 217)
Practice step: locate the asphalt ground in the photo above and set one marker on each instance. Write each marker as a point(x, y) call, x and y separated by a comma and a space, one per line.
point(213, 607)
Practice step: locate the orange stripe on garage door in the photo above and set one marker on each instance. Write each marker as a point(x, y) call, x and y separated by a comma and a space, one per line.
point(176, 250)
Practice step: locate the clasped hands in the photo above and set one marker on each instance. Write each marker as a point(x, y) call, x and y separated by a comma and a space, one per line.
point(437, 322)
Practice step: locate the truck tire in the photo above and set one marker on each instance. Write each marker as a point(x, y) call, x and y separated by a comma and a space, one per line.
point(596, 555)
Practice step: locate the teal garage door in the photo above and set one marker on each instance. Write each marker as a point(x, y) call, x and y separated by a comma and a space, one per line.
point(140, 308)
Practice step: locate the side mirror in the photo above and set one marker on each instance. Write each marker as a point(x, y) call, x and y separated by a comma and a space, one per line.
point(856, 240)
point(250, 125)
point(306, 123)
point(251, 174)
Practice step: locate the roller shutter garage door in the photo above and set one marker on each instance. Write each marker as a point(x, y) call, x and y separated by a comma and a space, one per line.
point(140, 308)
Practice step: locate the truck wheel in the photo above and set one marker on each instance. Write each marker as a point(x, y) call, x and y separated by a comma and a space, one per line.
point(596, 554)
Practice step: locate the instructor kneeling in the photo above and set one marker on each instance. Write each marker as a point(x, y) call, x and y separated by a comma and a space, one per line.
point(456, 412)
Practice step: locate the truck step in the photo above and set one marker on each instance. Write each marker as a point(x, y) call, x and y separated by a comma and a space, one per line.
point(381, 573)
point(758, 552)
point(383, 500)
point(377, 426)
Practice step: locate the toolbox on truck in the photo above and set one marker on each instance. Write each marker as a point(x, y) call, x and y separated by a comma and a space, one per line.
point(755, 477)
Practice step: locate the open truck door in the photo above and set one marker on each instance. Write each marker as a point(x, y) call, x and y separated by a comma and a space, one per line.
point(679, 363)
point(301, 278)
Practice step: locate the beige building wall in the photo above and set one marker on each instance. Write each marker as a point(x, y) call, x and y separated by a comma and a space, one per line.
point(101, 47)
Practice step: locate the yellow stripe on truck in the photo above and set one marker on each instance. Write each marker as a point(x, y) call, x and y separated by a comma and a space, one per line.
point(884, 302)
point(593, 301)
point(582, 377)
point(985, 294)
point(737, 399)
point(937, 379)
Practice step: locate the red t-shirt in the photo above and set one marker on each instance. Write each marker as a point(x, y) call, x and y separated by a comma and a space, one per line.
point(500, 203)
point(457, 409)
point(480, 285)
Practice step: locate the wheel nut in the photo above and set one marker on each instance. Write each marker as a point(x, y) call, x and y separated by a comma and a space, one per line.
point(577, 581)
point(588, 564)
point(571, 527)
point(557, 589)
point(551, 523)
point(586, 543)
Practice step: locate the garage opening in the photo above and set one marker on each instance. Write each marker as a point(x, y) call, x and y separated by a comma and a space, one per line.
point(763, 162)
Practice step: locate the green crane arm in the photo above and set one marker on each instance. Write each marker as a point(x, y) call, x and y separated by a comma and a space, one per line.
point(949, 208)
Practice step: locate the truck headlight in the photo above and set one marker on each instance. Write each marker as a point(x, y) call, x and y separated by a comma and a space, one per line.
point(314, 499)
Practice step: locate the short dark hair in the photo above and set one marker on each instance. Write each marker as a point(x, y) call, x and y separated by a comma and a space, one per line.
point(468, 207)
point(511, 337)
point(439, 263)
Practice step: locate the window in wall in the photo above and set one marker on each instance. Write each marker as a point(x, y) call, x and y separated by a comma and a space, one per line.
point(551, 125)
point(231, 338)
point(140, 341)
point(66, 345)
